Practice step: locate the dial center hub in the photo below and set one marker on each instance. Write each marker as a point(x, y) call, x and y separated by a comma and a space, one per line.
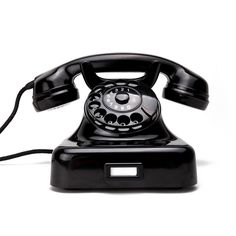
point(122, 97)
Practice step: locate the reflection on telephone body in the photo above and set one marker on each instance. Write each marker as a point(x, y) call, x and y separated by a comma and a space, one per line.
point(122, 141)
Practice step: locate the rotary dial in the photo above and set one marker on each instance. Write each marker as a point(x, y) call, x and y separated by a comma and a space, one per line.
point(122, 106)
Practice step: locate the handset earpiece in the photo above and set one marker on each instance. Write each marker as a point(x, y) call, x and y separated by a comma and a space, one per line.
point(54, 88)
point(186, 87)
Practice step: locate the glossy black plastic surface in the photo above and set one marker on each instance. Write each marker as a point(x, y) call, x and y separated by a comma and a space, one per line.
point(55, 87)
point(81, 161)
point(84, 161)
point(122, 125)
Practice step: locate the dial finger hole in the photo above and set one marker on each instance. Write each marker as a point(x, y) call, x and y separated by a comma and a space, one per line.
point(123, 120)
point(94, 105)
point(136, 118)
point(98, 89)
point(100, 113)
point(94, 96)
point(108, 85)
point(110, 118)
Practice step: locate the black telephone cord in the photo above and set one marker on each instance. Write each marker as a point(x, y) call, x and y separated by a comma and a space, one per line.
point(10, 118)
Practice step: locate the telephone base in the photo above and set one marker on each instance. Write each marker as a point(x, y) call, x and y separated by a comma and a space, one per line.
point(171, 165)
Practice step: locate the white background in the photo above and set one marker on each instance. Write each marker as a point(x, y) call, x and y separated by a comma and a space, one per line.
point(36, 36)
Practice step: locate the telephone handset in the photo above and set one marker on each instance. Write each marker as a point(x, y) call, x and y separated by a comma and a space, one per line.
point(122, 141)
point(56, 86)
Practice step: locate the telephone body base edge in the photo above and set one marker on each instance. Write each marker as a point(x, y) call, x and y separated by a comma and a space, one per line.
point(166, 162)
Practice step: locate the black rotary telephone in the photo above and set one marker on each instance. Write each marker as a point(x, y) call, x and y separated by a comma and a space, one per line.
point(122, 141)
